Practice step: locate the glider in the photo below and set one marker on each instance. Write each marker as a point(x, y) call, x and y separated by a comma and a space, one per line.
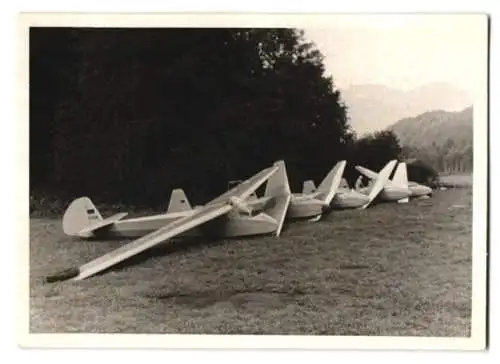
point(343, 198)
point(310, 204)
point(398, 185)
point(417, 190)
point(378, 188)
point(228, 215)
point(313, 202)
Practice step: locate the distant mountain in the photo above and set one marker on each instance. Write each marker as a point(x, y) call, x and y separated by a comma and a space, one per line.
point(440, 138)
point(375, 107)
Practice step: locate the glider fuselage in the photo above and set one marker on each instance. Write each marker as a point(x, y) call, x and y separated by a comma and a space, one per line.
point(230, 225)
point(303, 206)
point(418, 190)
point(391, 192)
point(348, 199)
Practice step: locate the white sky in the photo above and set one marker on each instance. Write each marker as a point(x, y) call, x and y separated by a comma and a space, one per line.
point(403, 51)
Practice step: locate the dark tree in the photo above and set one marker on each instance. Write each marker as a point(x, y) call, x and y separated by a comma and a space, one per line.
point(126, 115)
point(373, 151)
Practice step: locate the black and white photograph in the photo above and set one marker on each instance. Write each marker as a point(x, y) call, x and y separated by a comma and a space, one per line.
point(320, 179)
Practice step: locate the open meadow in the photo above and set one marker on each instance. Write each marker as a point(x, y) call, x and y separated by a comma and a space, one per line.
point(393, 269)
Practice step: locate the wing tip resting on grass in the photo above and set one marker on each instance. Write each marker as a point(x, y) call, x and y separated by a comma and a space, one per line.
point(63, 275)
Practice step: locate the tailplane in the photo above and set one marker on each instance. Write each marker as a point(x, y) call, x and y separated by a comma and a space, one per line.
point(366, 172)
point(331, 182)
point(178, 202)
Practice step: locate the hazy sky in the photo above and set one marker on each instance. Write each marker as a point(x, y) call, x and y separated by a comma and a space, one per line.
point(403, 51)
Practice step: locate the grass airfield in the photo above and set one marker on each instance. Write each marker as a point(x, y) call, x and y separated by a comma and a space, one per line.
point(392, 270)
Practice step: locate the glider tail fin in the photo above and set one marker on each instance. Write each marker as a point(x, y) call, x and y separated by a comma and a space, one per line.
point(343, 184)
point(380, 182)
point(178, 202)
point(331, 182)
point(278, 189)
point(366, 172)
point(278, 183)
point(308, 187)
point(400, 178)
point(81, 213)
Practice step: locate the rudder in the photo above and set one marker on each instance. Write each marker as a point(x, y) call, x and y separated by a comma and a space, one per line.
point(278, 189)
point(331, 182)
point(278, 183)
point(80, 214)
point(308, 187)
point(400, 177)
point(178, 202)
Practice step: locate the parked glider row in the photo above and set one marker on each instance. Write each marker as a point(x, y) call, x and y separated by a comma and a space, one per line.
point(237, 212)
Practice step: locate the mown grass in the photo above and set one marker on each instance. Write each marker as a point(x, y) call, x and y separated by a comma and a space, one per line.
point(393, 269)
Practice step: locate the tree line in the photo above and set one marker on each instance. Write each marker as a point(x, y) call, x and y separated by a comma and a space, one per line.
point(126, 115)
point(441, 139)
point(451, 157)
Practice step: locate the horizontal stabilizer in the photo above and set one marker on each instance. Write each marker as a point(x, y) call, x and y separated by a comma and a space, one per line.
point(95, 227)
point(366, 172)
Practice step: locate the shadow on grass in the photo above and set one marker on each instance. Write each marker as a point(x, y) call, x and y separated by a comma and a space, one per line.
point(174, 246)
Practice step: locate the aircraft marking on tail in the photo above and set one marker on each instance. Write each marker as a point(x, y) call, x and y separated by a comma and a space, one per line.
point(80, 214)
point(178, 202)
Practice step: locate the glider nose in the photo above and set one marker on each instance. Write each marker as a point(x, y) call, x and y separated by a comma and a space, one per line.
point(426, 190)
